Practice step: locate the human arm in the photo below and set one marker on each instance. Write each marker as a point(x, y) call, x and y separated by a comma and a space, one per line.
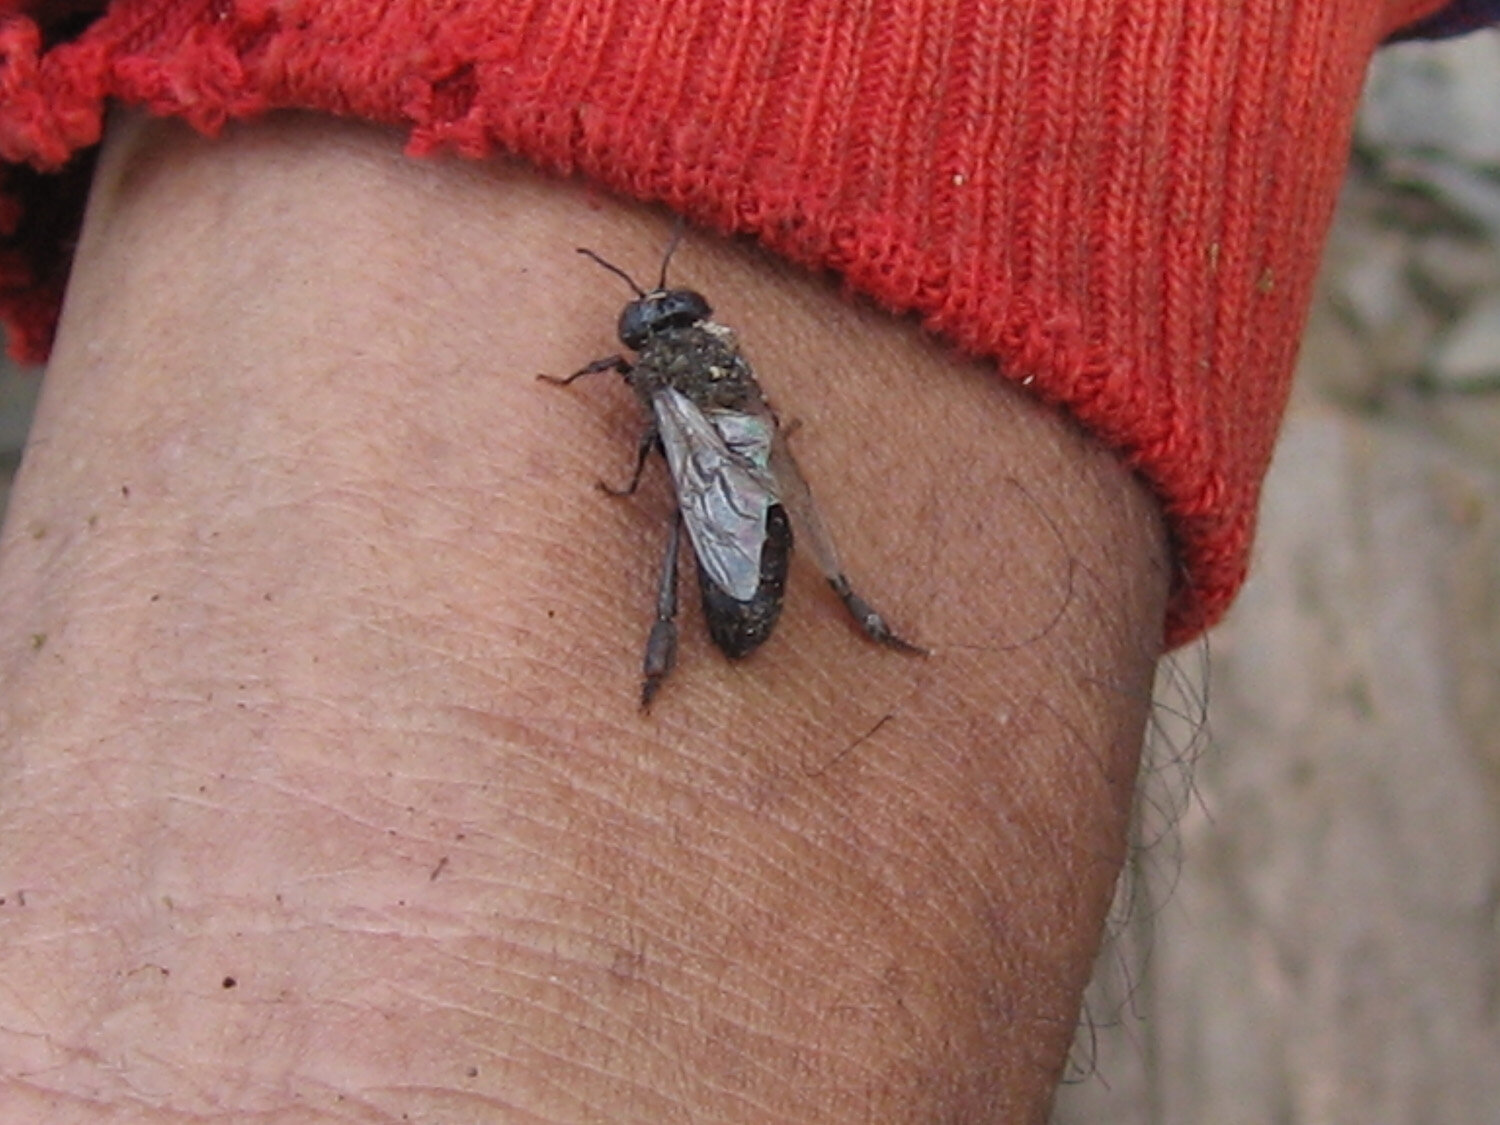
point(321, 656)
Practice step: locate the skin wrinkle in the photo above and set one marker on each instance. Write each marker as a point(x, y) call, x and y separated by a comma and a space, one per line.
point(572, 1090)
point(481, 1016)
point(768, 1035)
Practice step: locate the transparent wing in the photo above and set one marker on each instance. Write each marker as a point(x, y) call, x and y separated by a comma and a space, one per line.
point(720, 467)
point(797, 496)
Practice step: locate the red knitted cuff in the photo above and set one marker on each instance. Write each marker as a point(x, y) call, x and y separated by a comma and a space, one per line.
point(1120, 201)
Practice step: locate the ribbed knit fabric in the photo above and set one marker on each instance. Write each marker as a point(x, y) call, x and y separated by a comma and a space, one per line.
point(1119, 201)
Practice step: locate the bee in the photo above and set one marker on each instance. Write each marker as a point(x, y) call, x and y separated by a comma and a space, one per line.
point(738, 490)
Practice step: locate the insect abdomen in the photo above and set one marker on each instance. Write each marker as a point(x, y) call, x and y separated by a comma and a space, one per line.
point(737, 627)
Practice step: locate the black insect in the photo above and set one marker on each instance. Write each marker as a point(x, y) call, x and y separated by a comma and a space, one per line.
point(731, 468)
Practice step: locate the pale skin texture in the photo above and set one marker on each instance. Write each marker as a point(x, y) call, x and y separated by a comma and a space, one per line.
point(323, 791)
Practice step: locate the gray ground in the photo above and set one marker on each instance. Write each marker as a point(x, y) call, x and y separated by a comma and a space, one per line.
point(1312, 934)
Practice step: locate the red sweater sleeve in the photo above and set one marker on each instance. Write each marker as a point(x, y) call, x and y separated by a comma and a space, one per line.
point(1120, 202)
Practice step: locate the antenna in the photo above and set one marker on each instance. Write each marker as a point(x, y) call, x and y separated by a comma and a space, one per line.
point(616, 270)
point(679, 228)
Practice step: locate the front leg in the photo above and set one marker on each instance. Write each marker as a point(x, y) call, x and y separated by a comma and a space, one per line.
point(608, 363)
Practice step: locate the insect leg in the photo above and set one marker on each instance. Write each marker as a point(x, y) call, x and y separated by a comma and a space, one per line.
point(648, 442)
point(608, 363)
point(868, 618)
point(797, 497)
point(661, 644)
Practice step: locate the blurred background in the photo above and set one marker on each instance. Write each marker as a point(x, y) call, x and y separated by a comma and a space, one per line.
point(1310, 929)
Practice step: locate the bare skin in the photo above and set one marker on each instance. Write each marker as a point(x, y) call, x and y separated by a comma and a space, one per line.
point(324, 795)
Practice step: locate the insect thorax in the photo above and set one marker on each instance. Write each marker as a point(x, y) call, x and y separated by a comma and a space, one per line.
point(702, 361)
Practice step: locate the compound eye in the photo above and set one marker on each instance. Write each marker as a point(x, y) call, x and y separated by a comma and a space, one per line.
point(681, 308)
point(635, 324)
